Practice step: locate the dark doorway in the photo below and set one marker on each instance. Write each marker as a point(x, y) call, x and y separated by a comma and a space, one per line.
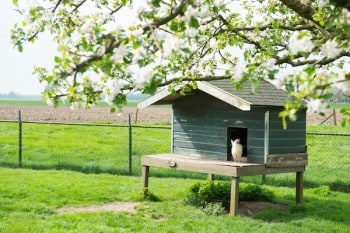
point(232, 134)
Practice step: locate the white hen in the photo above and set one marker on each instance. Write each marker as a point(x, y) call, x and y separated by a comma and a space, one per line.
point(237, 150)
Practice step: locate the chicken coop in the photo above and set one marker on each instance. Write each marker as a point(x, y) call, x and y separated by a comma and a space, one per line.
point(206, 120)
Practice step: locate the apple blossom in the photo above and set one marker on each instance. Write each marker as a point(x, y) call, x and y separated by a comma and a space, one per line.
point(330, 49)
point(300, 43)
point(299, 46)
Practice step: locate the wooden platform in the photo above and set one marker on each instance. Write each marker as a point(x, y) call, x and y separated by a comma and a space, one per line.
point(227, 168)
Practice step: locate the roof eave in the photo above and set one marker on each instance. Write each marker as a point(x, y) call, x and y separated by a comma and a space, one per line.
point(205, 87)
point(224, 96)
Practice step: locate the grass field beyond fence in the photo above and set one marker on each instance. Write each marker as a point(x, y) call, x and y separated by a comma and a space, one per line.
point(105, 149)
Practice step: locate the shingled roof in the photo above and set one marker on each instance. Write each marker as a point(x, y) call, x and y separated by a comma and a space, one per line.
point(265, 95)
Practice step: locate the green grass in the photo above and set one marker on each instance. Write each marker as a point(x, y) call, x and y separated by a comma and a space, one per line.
point(339, 105)
point(328, 129)
point(30, 199)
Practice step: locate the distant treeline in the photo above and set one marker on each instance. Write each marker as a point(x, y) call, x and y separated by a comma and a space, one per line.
point(14, 96)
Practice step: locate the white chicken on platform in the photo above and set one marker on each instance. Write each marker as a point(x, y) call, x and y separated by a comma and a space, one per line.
point(236, 150)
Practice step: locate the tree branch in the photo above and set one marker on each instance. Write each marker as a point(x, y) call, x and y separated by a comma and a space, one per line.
point(78, 5)
point(206, 78)
point(302, 10)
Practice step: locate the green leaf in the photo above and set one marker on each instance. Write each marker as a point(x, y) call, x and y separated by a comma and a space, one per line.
point(310, 70)
point(57, 59)
point(327, 96)
point(15, 2)
point(136, 44)
point(174, 26)
point(156, 3)
point(194, 22)
point(347, 29)
point(20, 48)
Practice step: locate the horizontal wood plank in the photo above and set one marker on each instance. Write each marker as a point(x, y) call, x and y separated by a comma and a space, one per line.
point(287, 160)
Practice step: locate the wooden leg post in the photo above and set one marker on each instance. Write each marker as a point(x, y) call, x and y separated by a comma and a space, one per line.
point(211, 177)
point(145, 174)
point(299, 188)
point(234, 196)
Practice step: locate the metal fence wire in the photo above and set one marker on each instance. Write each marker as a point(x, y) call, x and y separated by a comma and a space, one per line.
point(117, 149)
point(90, 148)
point(329, 158)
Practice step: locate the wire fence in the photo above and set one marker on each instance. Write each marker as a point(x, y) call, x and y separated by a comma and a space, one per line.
point(91, 148)
point(117, 149)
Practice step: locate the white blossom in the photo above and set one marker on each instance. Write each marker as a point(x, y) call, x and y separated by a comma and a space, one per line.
point(204, 12)
point(49, 102)
point(110, 93)
point(87, 27)
point(316, 106)
point(119, 53)
point(191, 32)
point(322, 3)
point(213, 43)
point(137, 32)
point(100, 50)
point(239, 71)
point(171, 44)
point(279, 81)
point(143, 75)
point(330, 49)
point(190, 12)
point(342, 83)
point(346, 16)
point(270, 63)
point(300, 43)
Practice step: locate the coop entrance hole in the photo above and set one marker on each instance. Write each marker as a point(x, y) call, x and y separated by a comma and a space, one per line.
point(232, 134)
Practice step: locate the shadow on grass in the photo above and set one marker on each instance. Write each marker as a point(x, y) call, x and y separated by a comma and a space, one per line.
point(325, 209)
point(70, 167)
point(155, 172)
point(336, 186)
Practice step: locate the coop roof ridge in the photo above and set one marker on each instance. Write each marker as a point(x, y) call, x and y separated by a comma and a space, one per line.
point(267, 95)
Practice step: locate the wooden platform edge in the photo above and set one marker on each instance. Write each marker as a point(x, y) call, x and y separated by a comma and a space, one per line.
point(227, 168)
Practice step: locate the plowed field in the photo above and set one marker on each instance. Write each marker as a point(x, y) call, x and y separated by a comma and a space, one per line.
point(103, 114)
point(97, 114)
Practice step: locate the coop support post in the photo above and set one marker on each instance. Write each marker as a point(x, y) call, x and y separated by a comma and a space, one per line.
point(19, 139)
point(266, 141)
point(299, 187)
point(130, 147)
point(144, 181)
point(211, 177)
point(234, 196)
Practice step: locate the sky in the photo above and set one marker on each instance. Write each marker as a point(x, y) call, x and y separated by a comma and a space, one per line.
point(16, 68)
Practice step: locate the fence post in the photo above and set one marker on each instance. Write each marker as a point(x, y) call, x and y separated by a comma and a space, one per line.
point(19, 139)
point(130, 147)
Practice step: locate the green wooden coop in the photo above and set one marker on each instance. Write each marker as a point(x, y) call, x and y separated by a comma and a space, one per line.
point(205, 120)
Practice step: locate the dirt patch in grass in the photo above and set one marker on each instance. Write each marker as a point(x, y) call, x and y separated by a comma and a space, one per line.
point(113, 207)
point(250, 208)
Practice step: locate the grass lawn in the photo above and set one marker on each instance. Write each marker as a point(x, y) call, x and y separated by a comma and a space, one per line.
point(30, 199)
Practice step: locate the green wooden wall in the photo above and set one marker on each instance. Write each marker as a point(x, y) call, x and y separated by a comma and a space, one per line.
point(200, 124)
